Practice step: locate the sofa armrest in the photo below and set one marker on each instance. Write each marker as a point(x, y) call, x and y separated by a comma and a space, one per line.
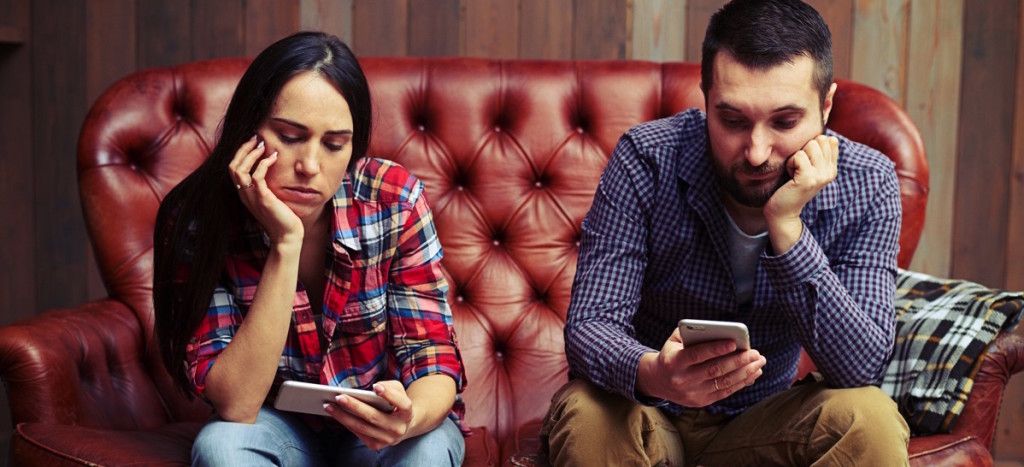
point(1004, 358)
point(80, 366)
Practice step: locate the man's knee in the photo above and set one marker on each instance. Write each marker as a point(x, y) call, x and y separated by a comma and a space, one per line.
point(862, 418)
point(587, 425)
point(588, 405)
point(865, 408)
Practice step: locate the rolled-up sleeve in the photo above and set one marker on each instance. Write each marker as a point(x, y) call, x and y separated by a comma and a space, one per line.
point(423, 334)
point(212, 336)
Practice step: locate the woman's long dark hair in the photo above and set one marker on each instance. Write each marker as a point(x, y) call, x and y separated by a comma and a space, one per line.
point(192, 225)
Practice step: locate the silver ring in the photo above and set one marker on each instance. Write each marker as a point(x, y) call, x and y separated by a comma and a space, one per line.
point(716, 384)
point(242, 187)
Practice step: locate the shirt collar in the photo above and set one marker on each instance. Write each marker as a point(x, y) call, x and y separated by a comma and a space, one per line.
point(346, 219)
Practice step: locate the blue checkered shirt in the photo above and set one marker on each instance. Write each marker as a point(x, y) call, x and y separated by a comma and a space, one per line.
point(654, 251)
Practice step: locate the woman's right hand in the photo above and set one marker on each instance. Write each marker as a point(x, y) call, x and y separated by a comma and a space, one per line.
point(249, 170)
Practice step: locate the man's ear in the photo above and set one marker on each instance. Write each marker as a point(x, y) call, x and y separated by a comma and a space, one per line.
point(826, 106)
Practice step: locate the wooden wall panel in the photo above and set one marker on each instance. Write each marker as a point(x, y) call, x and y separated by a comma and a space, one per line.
point(164, 32)
point(18, 278)
point(1015, 232)
point(380, 27)
point(58, 101)
point(933, 103)
point(1010, 427)
point(14, 20)
point(330, 16)
point(491, 28)
point(435, 28)
point(839, 16)
point(110, 44)
point(600, 32)
point(267, 21)
point(986, 141)
point(546, 29)
point(879, 45)
point(217, 29)
point(698, 13)
point(658, 30)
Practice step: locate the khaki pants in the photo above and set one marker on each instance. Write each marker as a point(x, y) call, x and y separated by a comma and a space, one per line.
point(808, 424)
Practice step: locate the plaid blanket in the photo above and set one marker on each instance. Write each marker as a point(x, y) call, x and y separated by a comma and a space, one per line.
point(943, 327)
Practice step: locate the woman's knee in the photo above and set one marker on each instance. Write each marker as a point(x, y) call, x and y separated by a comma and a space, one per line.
point(220, 441)
point(442, 446)
point(272, 438)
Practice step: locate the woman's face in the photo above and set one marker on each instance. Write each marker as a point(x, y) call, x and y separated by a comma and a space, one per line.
point(310, 127)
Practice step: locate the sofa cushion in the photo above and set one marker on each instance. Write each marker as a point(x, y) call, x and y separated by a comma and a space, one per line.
point(943, 328)
point(52, 444)
point(66, 445)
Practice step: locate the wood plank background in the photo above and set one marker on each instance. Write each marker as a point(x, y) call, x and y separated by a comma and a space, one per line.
point(956, 66)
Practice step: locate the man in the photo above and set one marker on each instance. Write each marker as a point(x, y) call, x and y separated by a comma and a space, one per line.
point(752, 213)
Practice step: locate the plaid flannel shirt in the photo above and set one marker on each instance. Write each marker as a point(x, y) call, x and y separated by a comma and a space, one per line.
point(653, 251)
point(385, 312)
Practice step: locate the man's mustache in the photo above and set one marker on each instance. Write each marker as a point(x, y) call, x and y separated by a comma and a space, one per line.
point(763, 169)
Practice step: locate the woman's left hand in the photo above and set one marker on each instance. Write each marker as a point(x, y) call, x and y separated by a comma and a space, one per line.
point(374, 428)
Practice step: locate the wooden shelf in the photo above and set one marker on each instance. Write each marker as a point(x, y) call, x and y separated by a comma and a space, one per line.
point(11, 35)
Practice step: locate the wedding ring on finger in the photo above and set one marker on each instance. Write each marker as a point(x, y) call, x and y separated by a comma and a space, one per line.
point(716, 384)
point(242, 187)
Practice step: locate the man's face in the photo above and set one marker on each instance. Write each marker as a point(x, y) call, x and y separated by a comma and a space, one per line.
point(756, 120)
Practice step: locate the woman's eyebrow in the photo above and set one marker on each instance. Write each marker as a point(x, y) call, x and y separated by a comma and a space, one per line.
point(305, 128)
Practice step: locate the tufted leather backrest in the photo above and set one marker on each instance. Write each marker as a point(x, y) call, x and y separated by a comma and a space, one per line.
point(510, 153)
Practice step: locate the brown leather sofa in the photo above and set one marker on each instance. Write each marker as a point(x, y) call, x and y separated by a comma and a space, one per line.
point(510, 152)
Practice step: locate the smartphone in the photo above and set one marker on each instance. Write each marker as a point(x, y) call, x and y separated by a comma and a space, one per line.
point(698, 331)
point(298, 396)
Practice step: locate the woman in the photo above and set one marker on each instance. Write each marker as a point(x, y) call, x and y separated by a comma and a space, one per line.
point(287, 255)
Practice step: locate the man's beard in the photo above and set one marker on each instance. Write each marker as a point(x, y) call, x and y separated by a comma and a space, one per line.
point(754, 197)
point(726, 176)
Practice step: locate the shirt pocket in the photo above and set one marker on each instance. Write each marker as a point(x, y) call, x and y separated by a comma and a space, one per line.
point(364, 317)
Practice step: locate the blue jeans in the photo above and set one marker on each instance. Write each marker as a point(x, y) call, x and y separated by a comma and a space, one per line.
point(280, 438)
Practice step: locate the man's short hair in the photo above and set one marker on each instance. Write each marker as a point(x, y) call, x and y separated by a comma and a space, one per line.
point(763, 34)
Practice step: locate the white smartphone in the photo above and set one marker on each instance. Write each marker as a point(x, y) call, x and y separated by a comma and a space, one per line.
point(298, 396)
point(697, 331)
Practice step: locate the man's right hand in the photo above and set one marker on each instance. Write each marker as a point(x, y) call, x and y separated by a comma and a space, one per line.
point(699, 375)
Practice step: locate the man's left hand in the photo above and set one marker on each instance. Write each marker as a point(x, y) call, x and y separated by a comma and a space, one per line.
point(810, 169)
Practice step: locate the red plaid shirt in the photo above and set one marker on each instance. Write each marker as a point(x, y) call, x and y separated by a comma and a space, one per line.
point(385, 313)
